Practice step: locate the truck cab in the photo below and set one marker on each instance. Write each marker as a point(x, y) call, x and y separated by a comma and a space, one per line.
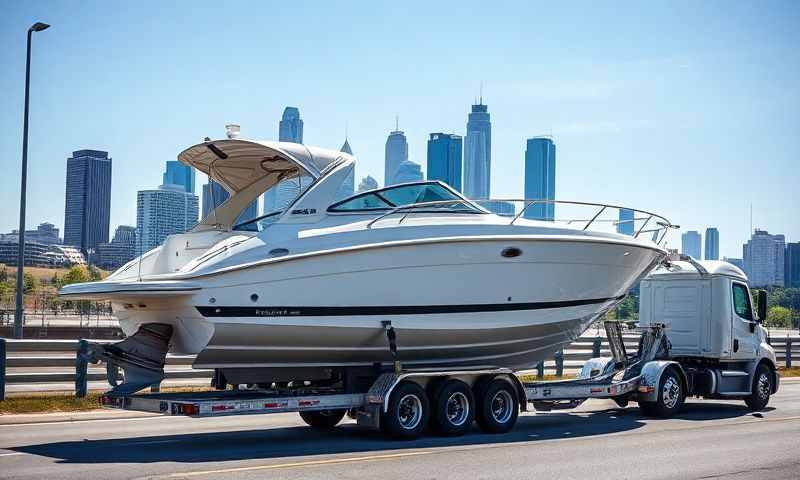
point(714, 331)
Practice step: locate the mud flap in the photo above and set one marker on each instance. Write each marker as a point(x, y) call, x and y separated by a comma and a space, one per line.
point(140, 356)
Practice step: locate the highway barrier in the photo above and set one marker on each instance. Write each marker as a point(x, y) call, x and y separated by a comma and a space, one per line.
point(52, 365)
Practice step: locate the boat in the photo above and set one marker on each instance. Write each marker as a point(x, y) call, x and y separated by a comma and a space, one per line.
point(412, 274)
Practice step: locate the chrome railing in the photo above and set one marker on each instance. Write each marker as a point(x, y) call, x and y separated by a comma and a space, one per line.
point(660, 225)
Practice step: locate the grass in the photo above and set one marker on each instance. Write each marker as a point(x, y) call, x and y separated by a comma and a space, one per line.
point(48, 403)
point(64, 402)
point(790, 372)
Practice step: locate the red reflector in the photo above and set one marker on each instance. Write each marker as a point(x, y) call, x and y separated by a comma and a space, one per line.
point(596, 390)
point(307, 403)
point(190, 409)
point(219, 408)
point(646, 389)
point(276, 404)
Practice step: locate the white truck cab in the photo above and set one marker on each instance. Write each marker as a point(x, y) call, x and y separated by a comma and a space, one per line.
point(715, 335)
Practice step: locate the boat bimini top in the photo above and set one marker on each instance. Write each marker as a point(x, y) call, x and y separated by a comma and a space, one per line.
point(248, 168)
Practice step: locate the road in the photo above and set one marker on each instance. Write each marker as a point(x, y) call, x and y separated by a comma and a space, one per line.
point(707, 440)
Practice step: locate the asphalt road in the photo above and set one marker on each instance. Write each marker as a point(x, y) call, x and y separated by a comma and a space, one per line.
point(708, 440)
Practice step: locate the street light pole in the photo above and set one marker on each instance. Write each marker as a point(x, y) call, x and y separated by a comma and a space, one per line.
point(18, 314)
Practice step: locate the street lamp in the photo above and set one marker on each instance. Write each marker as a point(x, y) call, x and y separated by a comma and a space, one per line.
point(36, 27)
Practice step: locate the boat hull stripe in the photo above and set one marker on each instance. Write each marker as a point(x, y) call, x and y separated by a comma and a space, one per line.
point(382, 310)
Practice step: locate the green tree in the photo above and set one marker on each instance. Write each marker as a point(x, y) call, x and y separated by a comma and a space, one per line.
point(76, 274)
point(29, 283)
point(3, 275)
point(779, 317)
point(94, 274)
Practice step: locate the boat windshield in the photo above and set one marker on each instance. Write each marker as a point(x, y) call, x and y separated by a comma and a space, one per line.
point(403, 195)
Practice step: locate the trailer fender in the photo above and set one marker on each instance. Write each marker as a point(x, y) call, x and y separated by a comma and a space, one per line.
point(651, 376)
point(596, 366)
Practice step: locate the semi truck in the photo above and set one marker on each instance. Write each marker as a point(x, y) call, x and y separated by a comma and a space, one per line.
point(700, 337)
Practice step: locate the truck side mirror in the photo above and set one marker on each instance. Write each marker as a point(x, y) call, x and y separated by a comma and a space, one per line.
point(762, 306)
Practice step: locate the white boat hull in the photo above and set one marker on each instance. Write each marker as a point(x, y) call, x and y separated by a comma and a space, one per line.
point(328, 310)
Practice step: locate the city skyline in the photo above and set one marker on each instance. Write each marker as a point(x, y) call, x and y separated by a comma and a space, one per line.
point(610, 113)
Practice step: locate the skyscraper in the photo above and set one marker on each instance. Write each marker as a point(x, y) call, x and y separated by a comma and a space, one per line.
point(791, 275)
point(712, 243)
point(179, 174)
point(348, 186)
point(444, 159)
point(87, 209)
point(290, 129)
point(763, 257)
point(626, 221)
point(367, 183)
point(396, 152)
point(690, 244)
point(478, 153)
point(162, 212)
point(408, 171)
point(540, 177)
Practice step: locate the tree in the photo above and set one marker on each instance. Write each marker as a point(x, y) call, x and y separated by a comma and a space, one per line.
point(3, 275)
point(76, 274)
point(94, 274)
point(779, 317)
point(29, 283)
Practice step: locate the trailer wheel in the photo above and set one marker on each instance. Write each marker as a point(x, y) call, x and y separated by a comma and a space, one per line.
point(670, 396)
point(497, 406)
point(323, 419)
point(407, 415)
point(761, 389)
point(453, 408)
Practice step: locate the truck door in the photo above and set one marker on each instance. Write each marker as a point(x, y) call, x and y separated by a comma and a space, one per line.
point(743, 343)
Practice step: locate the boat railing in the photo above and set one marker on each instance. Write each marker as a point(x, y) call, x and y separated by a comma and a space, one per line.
point(636, 222)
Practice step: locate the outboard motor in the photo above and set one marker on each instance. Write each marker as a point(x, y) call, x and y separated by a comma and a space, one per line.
point(140, 356)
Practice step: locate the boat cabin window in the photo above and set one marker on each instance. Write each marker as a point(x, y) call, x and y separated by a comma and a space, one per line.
point(400, 195)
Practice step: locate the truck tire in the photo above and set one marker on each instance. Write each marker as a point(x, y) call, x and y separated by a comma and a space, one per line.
point(761, 389)
point(323, 419)
point(453, 408)
point(497, 406)
point(670, 396)
point(408, 412)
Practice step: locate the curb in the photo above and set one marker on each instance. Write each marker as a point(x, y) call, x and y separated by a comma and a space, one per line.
point(64, 417)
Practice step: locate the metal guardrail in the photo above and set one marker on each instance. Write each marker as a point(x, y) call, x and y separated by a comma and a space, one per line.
point(39, 356)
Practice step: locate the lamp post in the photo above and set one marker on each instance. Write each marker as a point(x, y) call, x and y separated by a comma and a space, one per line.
point(36, 27)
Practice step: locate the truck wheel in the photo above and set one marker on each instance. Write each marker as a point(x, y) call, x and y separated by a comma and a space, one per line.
point(323, 419)
point(670, 396)
point(408, 411)
point(453, 408)
point(761, 389)
point(497, 406)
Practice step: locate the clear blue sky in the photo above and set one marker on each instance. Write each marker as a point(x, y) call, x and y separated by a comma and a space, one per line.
point(690, 109)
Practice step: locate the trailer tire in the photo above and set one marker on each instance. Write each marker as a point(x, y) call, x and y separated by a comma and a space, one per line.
point(671, 396)
point(497, 406)
point(323, 419)
point(408, 412)
point(761, 389)
point(453, 408)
